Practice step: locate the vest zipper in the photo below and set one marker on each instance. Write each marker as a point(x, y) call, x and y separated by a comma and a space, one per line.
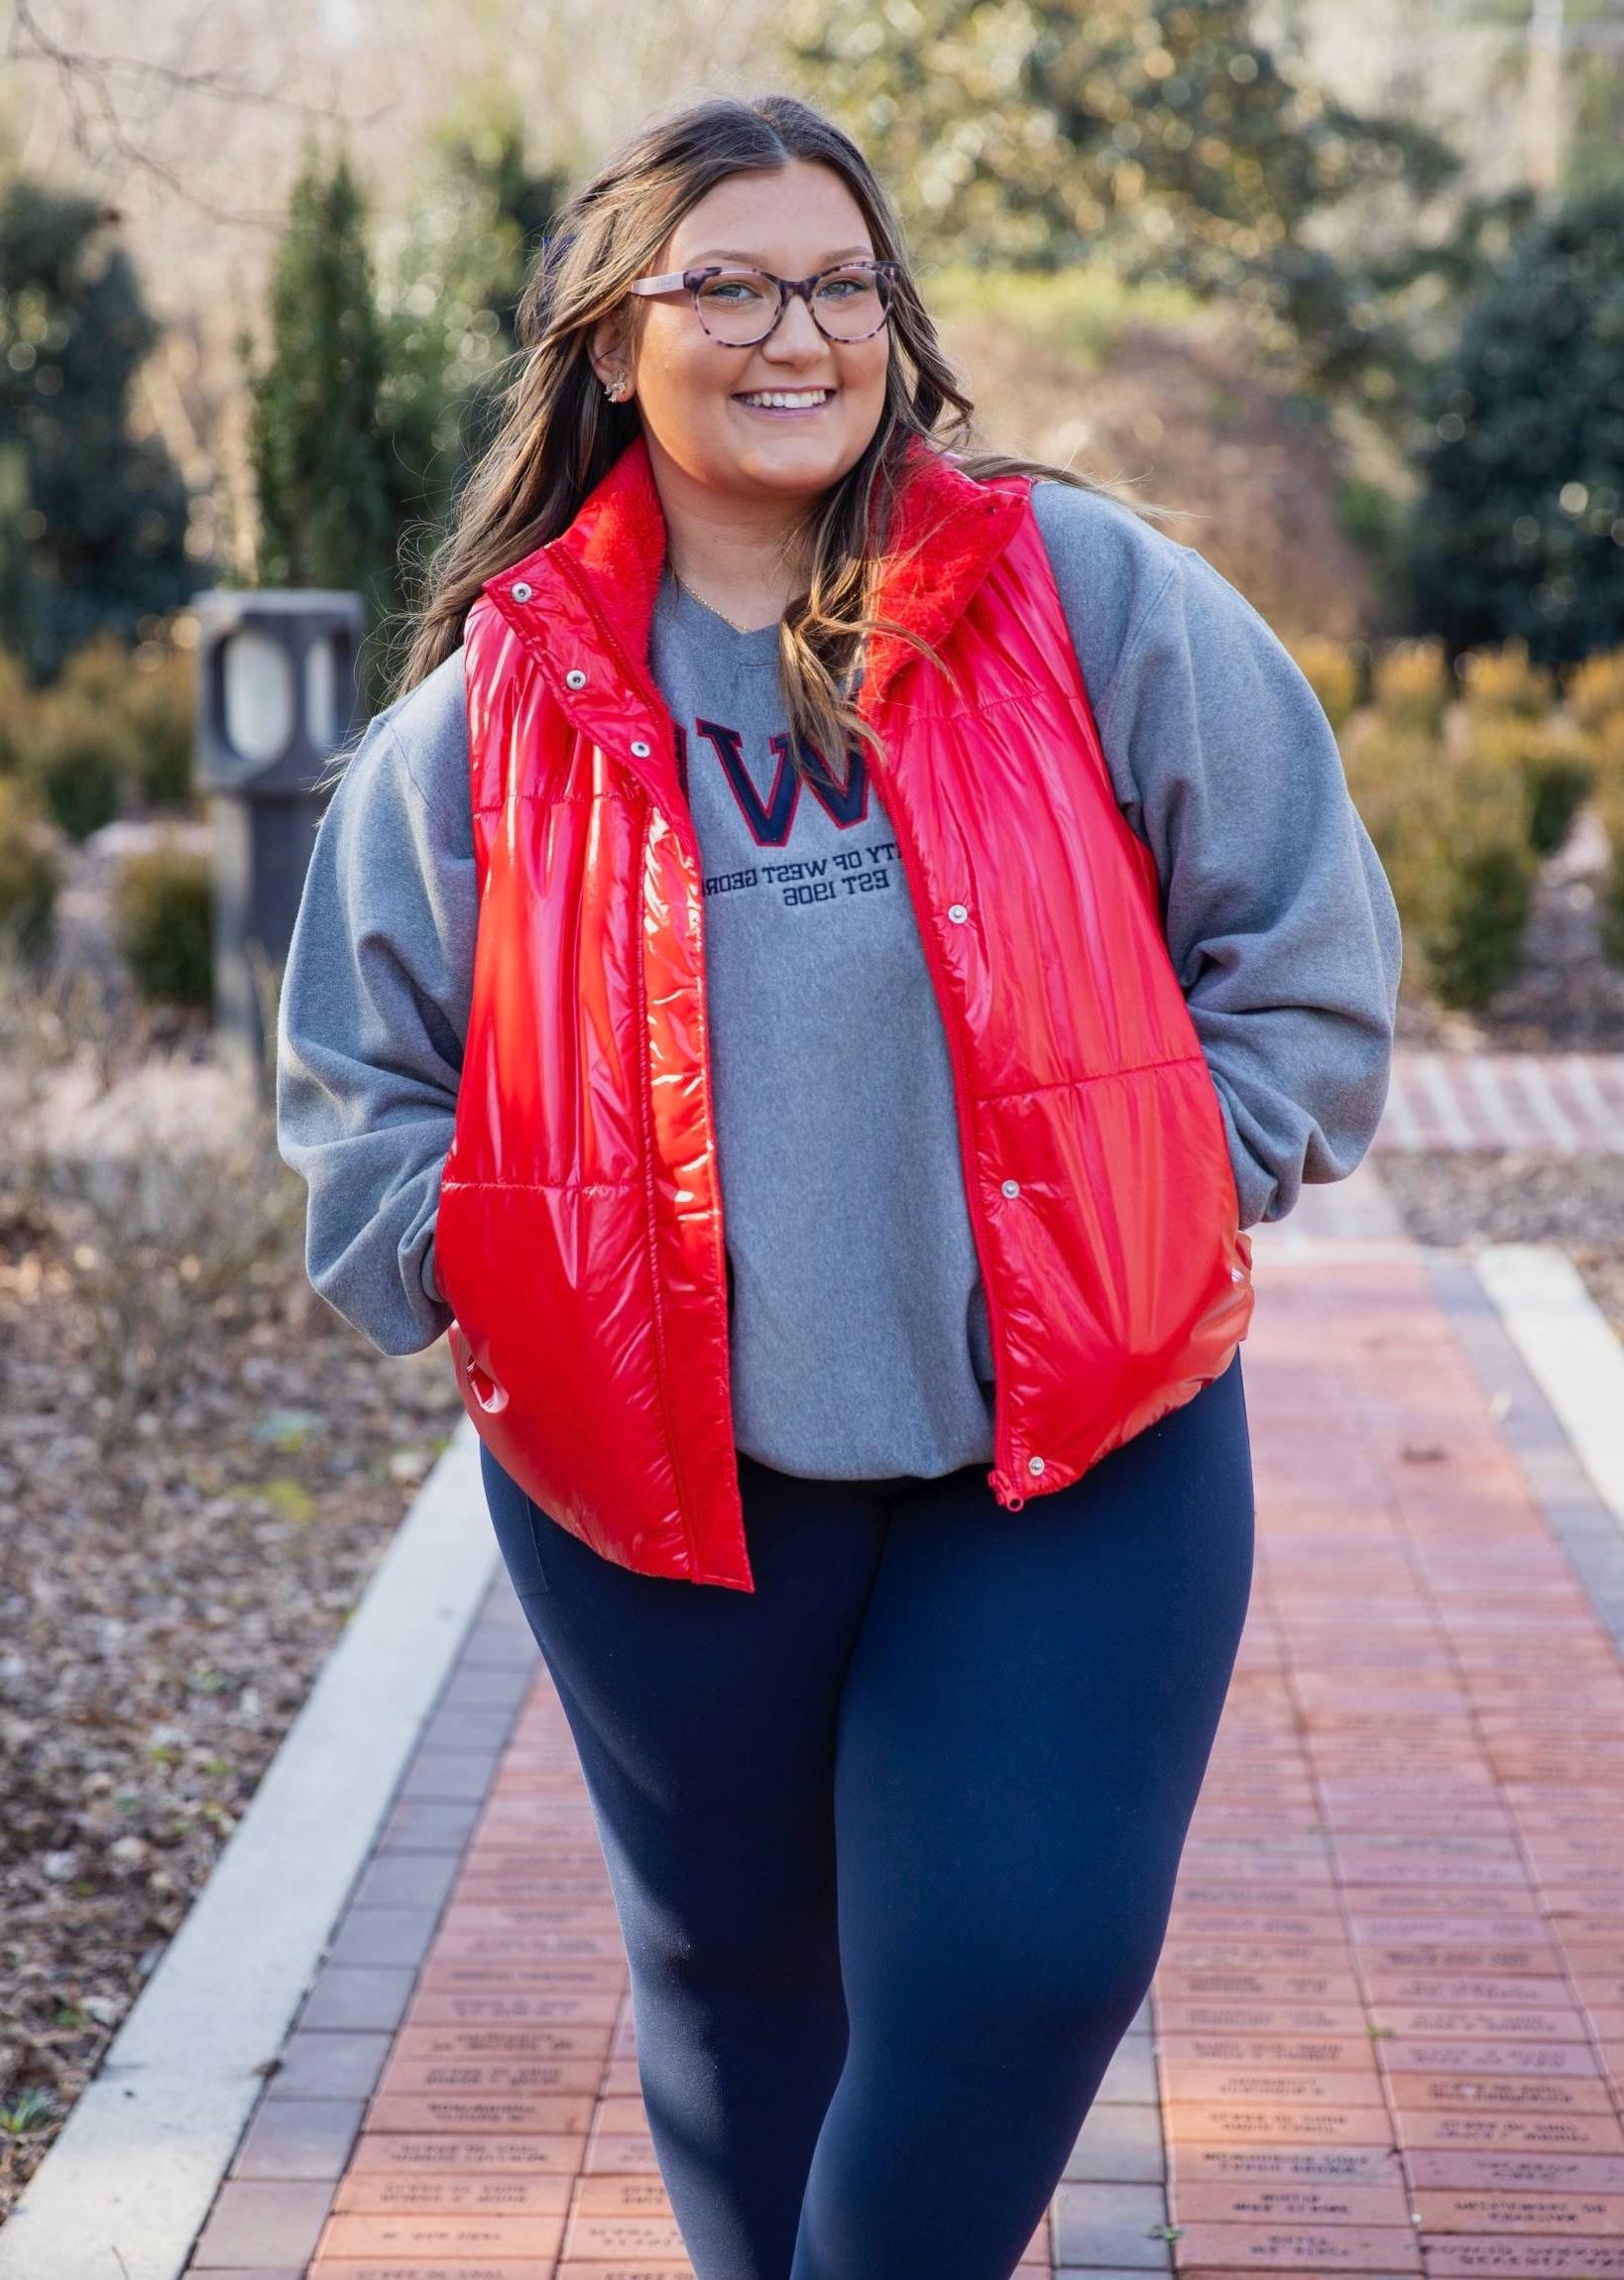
point(682, 823)
point(999, 1479)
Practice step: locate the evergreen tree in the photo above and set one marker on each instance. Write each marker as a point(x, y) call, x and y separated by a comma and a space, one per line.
point(450, 298)
point(1519, 527)
point(93, 518)
point(318, 445)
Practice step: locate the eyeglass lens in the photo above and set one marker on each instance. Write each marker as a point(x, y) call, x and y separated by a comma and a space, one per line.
point(739, 305)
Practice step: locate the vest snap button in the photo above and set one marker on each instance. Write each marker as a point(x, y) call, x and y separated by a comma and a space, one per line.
point(575, 678)
point(521, 593)
point(958, 913)
point(1238, 1275)
point(640, 748)
point(1034, 1464)
point(1012, 1187)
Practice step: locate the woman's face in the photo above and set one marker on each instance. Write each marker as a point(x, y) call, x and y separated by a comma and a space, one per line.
point(689, 389)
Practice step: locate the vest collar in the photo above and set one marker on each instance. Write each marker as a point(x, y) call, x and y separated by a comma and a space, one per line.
point(947, 532)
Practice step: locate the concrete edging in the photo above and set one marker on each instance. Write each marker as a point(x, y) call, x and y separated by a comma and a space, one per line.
point(1570, 1349)
point(125, 2189)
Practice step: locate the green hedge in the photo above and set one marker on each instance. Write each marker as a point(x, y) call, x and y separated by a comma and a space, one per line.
point(163, 919)
point(29, 874)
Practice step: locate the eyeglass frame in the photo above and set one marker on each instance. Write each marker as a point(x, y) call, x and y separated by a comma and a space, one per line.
point(690, 281)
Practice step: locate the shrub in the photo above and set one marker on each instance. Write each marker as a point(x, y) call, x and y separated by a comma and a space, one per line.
point(1332, 673)
point(162, 713)
point(1607, 745)
point(147, 692)
point(1502, 682)
point(1410, 682)
point(1478, 827)
point(97, 671)
point(1455, 839)
point(1595, 689)
point(16, 707)
point(1610, 885)
point(1388, 770)
point(1556, 761)
point(163, 918)
point(1478, 948)
point(76, 759)
point(1595, 698)
point(29, 875)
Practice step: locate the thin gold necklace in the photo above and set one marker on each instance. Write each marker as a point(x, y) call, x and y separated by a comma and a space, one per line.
point(683, 587)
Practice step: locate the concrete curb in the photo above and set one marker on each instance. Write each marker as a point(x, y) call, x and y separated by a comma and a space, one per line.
point(125, 2188)
point(1571, 1352)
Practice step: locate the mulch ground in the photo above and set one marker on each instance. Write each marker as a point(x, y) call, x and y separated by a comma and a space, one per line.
point(202, 1466)
point(1575, 1203)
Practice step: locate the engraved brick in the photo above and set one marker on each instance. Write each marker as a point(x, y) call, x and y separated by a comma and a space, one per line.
point(1348, 2053)
point(1346, 2167)
point(1524, 2172)
point(1496, 2132)
point(447, 2193)
point(602, 2236)
point(1455, 2257)
point(1518, 2093)
point(1292, 2205)
point(1288, 2086)
point(490, 2078)
point(1234, 2123)
point(481, 2117)
point(1410, 2054)
point(465, 2233)
point(1355, 2248)
point(547, 2154)
point(1501, 2209)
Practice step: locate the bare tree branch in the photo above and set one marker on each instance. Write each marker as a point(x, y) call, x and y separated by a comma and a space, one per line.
point(89, 89)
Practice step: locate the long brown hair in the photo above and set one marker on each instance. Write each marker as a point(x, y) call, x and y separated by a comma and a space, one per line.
point(559, 434)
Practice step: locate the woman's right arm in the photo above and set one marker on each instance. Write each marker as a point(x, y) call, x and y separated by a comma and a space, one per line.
point(374, 1015)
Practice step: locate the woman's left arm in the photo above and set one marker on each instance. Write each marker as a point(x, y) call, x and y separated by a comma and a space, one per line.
point(1278, 915)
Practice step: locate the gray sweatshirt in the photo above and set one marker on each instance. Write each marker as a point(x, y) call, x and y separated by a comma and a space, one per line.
point(859, 1330)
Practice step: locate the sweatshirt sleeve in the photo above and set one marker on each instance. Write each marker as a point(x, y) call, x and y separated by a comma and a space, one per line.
point(1277, 912)
point(373, 1018)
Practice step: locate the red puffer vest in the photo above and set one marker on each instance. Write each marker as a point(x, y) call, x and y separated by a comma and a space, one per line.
point(579, 1240)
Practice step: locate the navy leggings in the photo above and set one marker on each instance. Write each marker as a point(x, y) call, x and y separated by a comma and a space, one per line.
point(893, 1838)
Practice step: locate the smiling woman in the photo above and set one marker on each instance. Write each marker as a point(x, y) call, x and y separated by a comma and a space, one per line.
point(816, 1068)
point(773, 511)
point(760, 370)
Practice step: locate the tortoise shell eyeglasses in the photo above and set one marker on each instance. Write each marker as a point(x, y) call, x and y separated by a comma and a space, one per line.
point(741, 307)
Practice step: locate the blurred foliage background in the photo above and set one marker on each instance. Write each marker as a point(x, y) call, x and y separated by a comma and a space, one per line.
point(1341, 287)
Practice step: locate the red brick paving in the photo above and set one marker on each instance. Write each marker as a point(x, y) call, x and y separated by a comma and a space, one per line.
point(1562, 1103)
point(1389, 2017)
point(1398, 1936)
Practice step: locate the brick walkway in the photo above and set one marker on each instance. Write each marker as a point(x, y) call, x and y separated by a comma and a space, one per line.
point(1561, 1103)
point(1400, 1922)
point(1389, 2019)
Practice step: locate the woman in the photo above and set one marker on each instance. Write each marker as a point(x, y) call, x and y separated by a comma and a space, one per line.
point(889, 1536)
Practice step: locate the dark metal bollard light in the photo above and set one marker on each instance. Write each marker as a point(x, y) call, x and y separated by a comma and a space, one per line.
point(278, 691)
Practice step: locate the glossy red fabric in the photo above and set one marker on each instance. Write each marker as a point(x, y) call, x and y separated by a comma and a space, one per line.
point(579, 1240)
